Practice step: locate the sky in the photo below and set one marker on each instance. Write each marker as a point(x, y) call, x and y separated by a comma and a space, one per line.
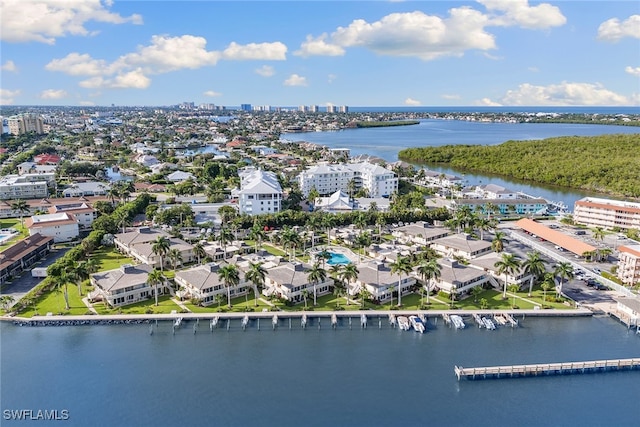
point(290, 53)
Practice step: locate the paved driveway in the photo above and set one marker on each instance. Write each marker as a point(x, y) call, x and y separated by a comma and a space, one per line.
point(23, 284)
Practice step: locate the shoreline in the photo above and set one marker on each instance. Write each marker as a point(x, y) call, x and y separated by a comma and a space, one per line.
point(113, 319)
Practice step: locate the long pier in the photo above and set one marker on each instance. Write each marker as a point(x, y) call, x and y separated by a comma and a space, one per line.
point(562, 368)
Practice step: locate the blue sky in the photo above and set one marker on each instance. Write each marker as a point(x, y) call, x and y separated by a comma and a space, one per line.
point(288, 53)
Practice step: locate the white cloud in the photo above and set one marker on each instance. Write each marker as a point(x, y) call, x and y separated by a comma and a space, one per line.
point(518, 12)
point(76, 64)
point(134, 79)
point(211, 93)
point(613, 30)
point(411, 101)
point(87, 103)
point(45, 20)
point(295, 80)
point(265, 71)
point(166, 54)
point(563, 94)
point(534, 69)
point(488, 103)
point(318, 47)
point(275, 51)
point(7, 96)
point(331, 78)
point(9, 66)
point(450, 96)
point(634, 71)
point(53, 94)
point(418, 34)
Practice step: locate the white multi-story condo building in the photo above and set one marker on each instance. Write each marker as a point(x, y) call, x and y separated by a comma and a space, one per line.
point(607, 213)
point(28, 186)
point(61, 226)
point(327, 179)
point(260, 192)
point(629, 264)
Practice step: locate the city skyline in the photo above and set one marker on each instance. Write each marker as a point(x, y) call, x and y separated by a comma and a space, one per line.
point(358, 53)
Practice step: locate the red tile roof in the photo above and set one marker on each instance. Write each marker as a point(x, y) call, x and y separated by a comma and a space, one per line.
point(576, 246)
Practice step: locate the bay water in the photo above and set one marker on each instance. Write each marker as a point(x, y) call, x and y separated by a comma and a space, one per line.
point(386, 142)
point(123, 376)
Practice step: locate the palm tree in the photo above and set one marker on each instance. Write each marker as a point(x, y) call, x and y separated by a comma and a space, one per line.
point(428, 271)
point(498, 241)
point(483, 224)
point(230, 277)
point(564, 270)
point(224, 237)
point(349, 273)
point(534, 265)
point(20, 207)
point(513, 289)
point(6, 301)
point(475, 291)
point(598, 233)
point(364, 295)
point(154, 279)
point(79, 273)
point(401, 266)
point(176, 257)
point(507, 265)
point(160, 247)
point(547, 284)
point(316, 274)
point(198, 250)
point(258, 235)
point(305, 294)
point(256, 275)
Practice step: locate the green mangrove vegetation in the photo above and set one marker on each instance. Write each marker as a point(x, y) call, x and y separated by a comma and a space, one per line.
point(606, 163)
point(381, 124)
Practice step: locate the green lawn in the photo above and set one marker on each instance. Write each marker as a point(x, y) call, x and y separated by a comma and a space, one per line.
point(165, 306)
point(110, 259)
point(53, 302)
point(238, 305)
point(273, 250)
point(13, 223)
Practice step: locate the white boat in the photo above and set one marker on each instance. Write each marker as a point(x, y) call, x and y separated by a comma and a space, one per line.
point(417, 324)
point(478, 320)
point(457, 321)
point(500, 319)
point(177, 322)
point(245, 321)
point(403, 323)
point(488, 323)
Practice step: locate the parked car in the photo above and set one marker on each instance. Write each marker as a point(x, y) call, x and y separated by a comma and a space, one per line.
point(597, 270)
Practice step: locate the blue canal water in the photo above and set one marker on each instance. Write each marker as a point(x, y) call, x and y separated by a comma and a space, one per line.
point(122, 376)
point(388, 141)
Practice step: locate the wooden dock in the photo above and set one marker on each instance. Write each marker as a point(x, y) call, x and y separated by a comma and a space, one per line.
point(562, 368)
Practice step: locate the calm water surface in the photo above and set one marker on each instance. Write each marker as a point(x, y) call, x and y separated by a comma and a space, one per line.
point(122, 376)
point(387, 142)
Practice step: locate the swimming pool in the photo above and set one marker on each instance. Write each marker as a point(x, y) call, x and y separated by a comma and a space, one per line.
point(337, 258)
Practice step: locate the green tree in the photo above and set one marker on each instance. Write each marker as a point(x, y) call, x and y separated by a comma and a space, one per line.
point(256, 275)
point(348, 274)
point(535, 266)
point(315, 275)
point(428, 271)
point(20, 207)
point(198, 251)
point(400, 266)
point(498, 241)
point(154, 279)
point(160, 247)
point(564, 270)
point(230, 277)
point(508, 265)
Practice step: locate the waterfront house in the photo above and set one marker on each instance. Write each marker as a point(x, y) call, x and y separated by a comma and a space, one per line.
point(630, 308)
point(607, 213)
point(139, 245)
point(22, 255)
point(289, 280)
point(204, 284)
point(457, 278)
point(487, 263)
point(380, 282)
point(123, 286)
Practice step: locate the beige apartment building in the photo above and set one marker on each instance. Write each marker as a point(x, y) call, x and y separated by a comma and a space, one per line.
point(606, 213)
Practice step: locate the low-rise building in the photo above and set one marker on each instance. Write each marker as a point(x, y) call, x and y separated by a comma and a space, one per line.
point(84, 214)
point(62, 226)
point(260, 192)
point(607, 213)
point(458, 279)
point(376, 277)
point(123, 286)
point(203, 283)
point(22, 255)
point(505, 206)
point(289, 280)
point(460, 245)
point(139, 245)
point(329, 178)
point(91, 188)
point(420, 232)
point(28, 186)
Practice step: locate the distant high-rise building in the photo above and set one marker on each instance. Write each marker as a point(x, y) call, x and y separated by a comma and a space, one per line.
point(245, 107)
point(25, 123)
point(187, 105)
point(331, 108)
point(303, 108)
point(207, 107)
point(344, 109)
point(313, 108)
